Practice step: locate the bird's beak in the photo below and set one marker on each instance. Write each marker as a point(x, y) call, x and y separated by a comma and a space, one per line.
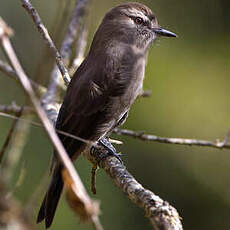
point(162, 32)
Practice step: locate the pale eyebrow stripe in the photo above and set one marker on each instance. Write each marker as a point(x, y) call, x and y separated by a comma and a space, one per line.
point(134, 13)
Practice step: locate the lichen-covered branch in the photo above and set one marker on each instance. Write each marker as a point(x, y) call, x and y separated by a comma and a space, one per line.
point(160, 213)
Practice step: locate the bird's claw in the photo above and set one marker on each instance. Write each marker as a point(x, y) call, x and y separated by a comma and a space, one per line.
point(111, 151)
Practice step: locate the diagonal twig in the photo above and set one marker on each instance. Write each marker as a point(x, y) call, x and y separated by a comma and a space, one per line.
point(9, 136)
point(44, 32)
point(14, 109)
point(79, 12)
point(80, 48)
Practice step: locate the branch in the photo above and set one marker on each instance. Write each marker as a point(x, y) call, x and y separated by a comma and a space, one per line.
point(9, 137)
point(161, 214)
point(170, 140)
point(78, 14)
point(64, 158)
point(44, 32)
point(12, 213)
point(14, 109)
point(80, 49)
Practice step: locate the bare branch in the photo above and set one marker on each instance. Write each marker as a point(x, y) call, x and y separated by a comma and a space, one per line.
point(44, 32)
point(12, 213)
point(171, 140)
point(80, 49)
point(78, 14)
point(18, 141)
point(46, 60)
point(15, 109)
point(5, 68)
point(9, 136)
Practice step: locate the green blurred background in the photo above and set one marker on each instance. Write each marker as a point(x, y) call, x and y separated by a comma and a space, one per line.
point(190, 83)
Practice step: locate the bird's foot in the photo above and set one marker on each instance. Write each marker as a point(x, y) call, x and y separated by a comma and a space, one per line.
point(111, 151)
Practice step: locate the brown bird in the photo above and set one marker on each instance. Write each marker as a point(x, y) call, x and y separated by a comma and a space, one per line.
point(104, 87)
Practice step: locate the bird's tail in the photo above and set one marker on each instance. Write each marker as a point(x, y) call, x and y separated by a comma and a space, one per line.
point(50, 202)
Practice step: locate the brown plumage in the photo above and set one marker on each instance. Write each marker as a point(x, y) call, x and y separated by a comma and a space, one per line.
point(104, 86)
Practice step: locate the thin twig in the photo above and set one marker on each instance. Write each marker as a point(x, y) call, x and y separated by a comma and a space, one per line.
point(171, 140)
point(224, 143)
point(80, 48)
point(81, 192)
point(12, 116)
point(15, 109)
point(44, 32)
point(32, 201)
point(45, 62)
point(146, 93)
point(78, 14)
point(16, 148)
point(5, 68)
point(9, 136)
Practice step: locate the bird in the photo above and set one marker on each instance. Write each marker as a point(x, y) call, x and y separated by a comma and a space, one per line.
point(104, 86)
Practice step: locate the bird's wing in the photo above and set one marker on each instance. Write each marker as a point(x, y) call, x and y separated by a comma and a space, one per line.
point(85, 110)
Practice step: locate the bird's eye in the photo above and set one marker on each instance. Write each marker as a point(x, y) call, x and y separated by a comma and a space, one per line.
point(138, 20)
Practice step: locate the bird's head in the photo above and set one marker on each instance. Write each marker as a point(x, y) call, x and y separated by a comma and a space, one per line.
point(132, 23)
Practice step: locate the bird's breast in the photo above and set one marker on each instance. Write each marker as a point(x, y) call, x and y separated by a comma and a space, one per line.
point(123, 103)
point(135, 85)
